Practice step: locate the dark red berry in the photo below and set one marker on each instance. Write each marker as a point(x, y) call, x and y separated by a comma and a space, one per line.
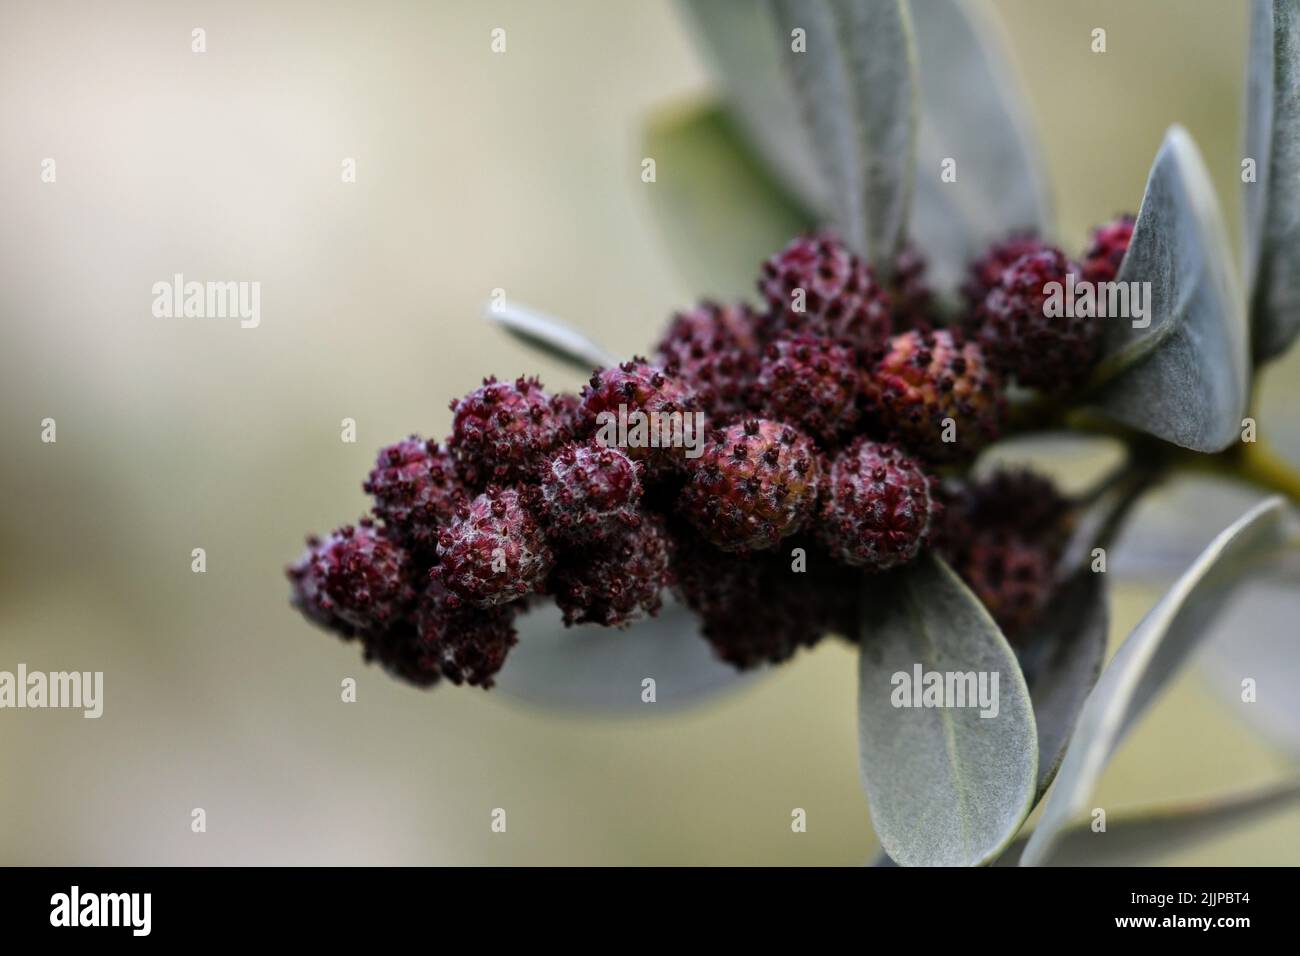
point(879, 509)
point(714, 350)
point(1054, 353)
point(1105, 253)
point(467, 645)
point(646, 397)
point(587, 491)
point(756, 483)
point(416, 490)
point(401, 653)
point(503, 430)
point(816, 286)
point(935, 393)
point(810, 382)
point(494, 551)
point(986, 271)
point(911, 302)
point(616, 581)
point(354, 581)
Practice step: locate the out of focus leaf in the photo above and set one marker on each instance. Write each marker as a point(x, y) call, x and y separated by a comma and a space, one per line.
point(598, 670)
point(549, 335)
point(1185, 377)
point(973, 110)
point(1061, 659)
point(855, 84)
point(1141, 839)
point(720, 212)
point(1272, 202)
point(946, 786)
point(1147, 660)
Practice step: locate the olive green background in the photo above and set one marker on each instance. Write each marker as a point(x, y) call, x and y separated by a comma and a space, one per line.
point(475, 171)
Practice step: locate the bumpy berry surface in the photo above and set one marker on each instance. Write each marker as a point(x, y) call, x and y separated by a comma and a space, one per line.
point(714, 350)
point(638, 386)
point(1054, 354)
point(351, 582)
point(911, 301)
point(756, 483)
point(586, 491)
point(753, 609)
point(503, 430)
point(810, 382)
point(986, 271)
point(1102, 258)
point(925, 378)
point(879, 508)
point(1004, 535)
point(842, 299)
point(494, 551)
point(466, 645)
point(616, 581)
point(416, 490)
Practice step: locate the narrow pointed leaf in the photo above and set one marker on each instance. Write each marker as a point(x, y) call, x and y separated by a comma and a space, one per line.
point(1146, 662)
point(550, 336)
point(1141, 839)
point(1062, 659)
point(1272, 202)
point(1001, 186)
point(946, 786)
point(599, 670)
point(1185, 377)
point(855, 85)
point(742, 46)
point(721, 213)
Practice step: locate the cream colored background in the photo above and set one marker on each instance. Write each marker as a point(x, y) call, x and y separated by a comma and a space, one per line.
point(475, 171)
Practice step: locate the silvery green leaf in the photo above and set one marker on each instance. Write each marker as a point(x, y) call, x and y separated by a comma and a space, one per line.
point(973, 111)
point(549, 335)
point(600, 670)
point(1149, 657)
point(1256, 640)
point(1185, 377)
point(744, 47)
point(1061, 659)
point(946, 786)
point(1140, 839)
point(856, 88)
point(720, 212)
point(1272, 202)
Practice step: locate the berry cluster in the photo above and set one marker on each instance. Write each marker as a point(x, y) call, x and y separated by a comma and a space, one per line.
point(828, 414)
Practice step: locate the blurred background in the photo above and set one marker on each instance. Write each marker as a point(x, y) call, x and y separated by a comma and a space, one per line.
point(475, 171)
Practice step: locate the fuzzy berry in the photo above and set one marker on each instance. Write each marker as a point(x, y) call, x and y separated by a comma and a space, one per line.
point(493, 552)
point(637, 386)
point(714, 350)
point(467, 645)
point(753, 609)
point(986, 271)
point(617, 581)
point(503, 430)
point(810, 382)
point(879, 509)
point(416, 490)
point(1004, 536)
point(1054, 353)
point(756, 483)
point(925, 380)
point(586, 491)
point(816, 286)
point(354, 581)
point(1105, 253)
